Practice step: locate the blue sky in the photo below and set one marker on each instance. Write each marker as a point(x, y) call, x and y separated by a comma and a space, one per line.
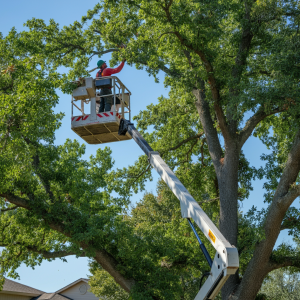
point(50, 277)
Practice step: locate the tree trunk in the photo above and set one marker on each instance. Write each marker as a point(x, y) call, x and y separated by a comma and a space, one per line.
point(227, 173)
point(228, 189)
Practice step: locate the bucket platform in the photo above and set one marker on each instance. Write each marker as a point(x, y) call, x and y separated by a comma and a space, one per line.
point(100, 128)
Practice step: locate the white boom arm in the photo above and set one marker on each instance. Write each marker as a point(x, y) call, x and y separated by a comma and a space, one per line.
point(226, 260)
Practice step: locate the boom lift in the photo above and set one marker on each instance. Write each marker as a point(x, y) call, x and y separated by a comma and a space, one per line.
point(95, 130)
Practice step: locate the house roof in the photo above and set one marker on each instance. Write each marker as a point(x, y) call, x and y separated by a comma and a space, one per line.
point(51, 296)
point(73, 283)
point(12, 287)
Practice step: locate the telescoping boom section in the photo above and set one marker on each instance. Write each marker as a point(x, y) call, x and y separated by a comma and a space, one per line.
point(226, 260)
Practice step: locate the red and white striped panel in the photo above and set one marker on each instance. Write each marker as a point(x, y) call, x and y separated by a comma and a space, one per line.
point(108, 114)
point(100, 115)
point(76, 119)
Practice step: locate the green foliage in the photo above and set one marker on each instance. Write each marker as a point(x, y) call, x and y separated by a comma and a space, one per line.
point(78, 199)
point(27, 98)
point(281, 284)
point(74, 206)
point(104, 286)
point(250, 234)
point(157, 246)
point(58, 186)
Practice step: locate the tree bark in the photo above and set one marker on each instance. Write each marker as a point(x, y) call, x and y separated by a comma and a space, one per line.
point(109, 264)
point(228, 187)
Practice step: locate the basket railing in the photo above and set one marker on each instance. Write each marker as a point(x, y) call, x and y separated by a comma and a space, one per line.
point(119, 91)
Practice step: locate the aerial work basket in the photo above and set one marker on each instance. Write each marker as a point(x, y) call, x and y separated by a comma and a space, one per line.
point(100, 127)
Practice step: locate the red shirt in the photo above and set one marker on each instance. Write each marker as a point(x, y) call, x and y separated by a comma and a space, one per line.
point(110, 71)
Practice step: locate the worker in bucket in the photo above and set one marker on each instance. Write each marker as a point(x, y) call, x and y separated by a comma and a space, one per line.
point(106, 102)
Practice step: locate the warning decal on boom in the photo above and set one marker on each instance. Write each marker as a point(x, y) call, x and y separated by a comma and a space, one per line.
point(212, 236)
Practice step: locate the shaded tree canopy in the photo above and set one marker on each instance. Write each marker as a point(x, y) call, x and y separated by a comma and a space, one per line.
point(233, 70)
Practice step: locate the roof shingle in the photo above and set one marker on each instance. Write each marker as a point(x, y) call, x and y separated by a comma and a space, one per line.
point(12, 286)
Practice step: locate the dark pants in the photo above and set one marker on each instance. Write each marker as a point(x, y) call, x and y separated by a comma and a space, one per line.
point(105, 102)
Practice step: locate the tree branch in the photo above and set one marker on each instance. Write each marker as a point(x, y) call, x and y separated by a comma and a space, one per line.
point(202, 152)
point(213, 86)
point(168, 32)
point(110, 265)
point(162, 67)
point(292, 194)
point(189, 58)
point(209, 200)
point(211, 133)
point(171, 73)
point(72, 47)
point(244, 46)
point(102, 257)
point(289, 223)
point(8, 209)
point(253, 122)
point(54, 254)
point(211, 78)
point(18, 201)
point(283, 198)
point(286, 191)
point(45, 254)
point(106, 51)
point(191, 150)
point(103, 52)
point(278, 261)
point(141, 174)
point(36, 163)
point(197, 136)
point(45, 182)
point(258, 72)
point(240, 62)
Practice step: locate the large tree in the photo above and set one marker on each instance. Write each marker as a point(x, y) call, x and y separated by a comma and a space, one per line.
point(233, 68)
